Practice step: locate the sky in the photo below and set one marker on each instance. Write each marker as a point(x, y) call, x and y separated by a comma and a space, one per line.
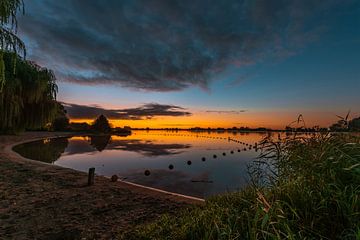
point(180, 63)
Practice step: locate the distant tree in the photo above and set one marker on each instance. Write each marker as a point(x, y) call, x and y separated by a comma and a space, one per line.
point(338, 127)
point(61, 121)
point(101, 124)
point(354, 124)
point(289, 129)
point(80, 127)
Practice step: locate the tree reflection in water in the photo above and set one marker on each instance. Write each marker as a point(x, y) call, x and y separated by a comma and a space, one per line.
point(100, 141)
point(47, 150)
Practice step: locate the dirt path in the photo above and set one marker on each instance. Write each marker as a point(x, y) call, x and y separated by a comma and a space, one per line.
point(39, 201)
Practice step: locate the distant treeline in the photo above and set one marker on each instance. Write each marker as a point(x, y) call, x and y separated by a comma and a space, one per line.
point(340, 126)
point(100, 125)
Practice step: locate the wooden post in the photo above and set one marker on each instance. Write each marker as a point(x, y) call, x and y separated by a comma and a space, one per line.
point(91, 176)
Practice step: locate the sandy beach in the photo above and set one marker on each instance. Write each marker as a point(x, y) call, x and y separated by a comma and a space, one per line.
point(43, 201)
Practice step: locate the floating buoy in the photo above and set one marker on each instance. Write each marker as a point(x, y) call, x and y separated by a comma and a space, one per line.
point(239, 150)
point(215, 156)
point(203, 159)
point(147, 172)
point(171, 166)
point(224, 154)
point(245, 149)
point(188, 162)
point(232, 152)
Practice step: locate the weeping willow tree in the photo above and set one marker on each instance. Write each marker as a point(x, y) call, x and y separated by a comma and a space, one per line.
point(28, 99)
point(9, 42)
point(27, 91)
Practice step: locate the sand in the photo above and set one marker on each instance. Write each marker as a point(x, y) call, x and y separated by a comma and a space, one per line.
point(43, 201)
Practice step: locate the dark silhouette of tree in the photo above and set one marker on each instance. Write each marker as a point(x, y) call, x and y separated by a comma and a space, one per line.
point(101, 124)
point(61, 122)
point(28, 97)
point(80, 127)
point(8, 39)
point(354, 124)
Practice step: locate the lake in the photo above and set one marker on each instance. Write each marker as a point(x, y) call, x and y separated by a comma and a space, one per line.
point(198, 164)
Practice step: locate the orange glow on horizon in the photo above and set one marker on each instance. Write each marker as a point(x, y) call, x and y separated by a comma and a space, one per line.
point(274, 120)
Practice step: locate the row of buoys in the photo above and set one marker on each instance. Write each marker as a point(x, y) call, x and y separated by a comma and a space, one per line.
point(189, 135)
point(202, 136)
point(171, 167)
point(228, 138)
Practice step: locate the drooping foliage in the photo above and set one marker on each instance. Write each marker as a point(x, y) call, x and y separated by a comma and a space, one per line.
point(9, 42)
point(61, 121)
point(28, 97)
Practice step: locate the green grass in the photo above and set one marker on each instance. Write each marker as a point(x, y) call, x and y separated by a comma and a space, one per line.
point(302, 188)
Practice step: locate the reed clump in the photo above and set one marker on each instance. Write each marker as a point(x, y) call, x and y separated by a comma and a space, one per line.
point(302, 188)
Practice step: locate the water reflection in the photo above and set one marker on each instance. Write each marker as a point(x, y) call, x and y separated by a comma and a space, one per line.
point(47, 150)
point(195, 164)
point(148, 147)
point(198, 185)
point(100, 141)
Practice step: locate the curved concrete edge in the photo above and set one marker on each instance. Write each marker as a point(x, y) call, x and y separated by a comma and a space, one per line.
point(9, 150)
point(163, 191)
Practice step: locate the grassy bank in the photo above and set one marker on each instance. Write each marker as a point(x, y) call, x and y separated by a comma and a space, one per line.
point(303, 188)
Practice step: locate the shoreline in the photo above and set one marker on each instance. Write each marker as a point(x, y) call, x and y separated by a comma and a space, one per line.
point(9, 150)
point(46, 201)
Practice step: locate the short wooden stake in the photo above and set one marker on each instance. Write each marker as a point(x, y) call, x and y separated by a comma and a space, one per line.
point(91, 176)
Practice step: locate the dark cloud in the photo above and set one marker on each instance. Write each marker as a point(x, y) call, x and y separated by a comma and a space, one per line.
point(226, 111)
point(162, 45)
point(147, 111)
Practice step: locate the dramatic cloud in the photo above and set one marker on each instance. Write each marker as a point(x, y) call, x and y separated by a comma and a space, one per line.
point(164, 45)
point(147, 111)
point(226, 111)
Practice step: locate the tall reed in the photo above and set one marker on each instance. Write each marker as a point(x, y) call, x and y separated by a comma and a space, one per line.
point(303, 187)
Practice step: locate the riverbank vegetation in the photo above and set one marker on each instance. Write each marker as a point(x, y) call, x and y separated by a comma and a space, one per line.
point(27, 91)
point(302, 188)
point(28, 97)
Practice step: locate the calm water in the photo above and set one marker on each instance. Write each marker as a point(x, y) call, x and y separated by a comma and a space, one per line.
point(129, 157)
